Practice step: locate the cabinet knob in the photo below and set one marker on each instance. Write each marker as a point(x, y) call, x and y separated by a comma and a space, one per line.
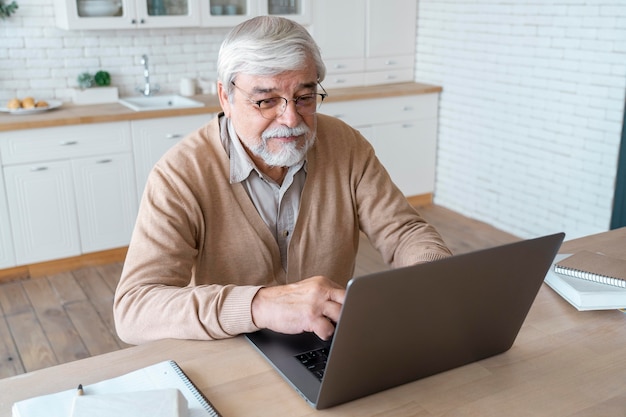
point(142, 21)
point(133, 21)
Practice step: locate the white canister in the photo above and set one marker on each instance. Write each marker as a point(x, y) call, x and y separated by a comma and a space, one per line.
point(187, 87)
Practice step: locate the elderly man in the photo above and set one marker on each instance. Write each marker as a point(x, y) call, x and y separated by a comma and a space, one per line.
point(253, 220)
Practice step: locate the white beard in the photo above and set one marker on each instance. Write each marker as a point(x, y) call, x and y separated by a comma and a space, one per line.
point(290, 153)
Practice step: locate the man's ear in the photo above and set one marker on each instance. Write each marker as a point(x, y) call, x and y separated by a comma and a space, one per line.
point(222, 94)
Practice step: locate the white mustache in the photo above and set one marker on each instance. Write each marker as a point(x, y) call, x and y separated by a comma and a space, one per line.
point(284, 132)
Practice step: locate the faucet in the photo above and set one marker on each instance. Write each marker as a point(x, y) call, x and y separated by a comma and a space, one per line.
point(147, 89)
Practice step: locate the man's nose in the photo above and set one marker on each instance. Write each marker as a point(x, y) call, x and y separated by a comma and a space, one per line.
point(290, 116)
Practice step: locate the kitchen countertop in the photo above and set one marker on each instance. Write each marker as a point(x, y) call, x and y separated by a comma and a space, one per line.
point(71, 114)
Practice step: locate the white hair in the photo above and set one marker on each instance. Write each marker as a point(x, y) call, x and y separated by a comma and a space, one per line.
point(266, 46)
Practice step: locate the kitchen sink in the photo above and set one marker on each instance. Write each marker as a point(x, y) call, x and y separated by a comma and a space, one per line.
point(159, 102)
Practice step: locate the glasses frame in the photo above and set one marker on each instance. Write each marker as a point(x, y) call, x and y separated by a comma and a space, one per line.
point(257, 103)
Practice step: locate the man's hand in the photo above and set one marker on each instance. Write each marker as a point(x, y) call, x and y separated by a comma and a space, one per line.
point(311, 305)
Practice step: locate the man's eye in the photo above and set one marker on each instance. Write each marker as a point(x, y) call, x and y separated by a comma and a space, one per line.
point(306, 100)
point(269, 102)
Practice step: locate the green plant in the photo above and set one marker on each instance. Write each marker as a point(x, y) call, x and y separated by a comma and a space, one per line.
point(7, 9)
point(87, 80)
point(102, 78)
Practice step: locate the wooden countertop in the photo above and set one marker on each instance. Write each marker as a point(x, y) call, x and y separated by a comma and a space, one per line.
point(71, 114)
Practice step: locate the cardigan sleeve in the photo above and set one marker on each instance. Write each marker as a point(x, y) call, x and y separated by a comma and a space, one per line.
point(157, 296)
point(393, 226)
point(169, 288)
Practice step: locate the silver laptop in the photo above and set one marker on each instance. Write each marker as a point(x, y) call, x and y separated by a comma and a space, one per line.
point(401, 325)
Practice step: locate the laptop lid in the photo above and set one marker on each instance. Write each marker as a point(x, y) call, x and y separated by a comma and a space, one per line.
point(405, 324)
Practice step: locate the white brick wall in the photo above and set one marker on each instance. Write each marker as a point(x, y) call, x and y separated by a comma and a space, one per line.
point(531, 110)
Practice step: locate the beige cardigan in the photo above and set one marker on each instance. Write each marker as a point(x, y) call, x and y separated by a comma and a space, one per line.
point(200, 251)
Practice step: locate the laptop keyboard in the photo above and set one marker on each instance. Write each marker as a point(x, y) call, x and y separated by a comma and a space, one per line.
point(315, 361)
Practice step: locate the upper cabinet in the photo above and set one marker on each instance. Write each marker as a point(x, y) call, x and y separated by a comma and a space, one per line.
point(366, 42)
point(129, 14)
point(228, 13)
point(126, 14)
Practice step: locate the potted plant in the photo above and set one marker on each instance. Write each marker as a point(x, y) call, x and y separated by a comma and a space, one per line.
point(95, 88)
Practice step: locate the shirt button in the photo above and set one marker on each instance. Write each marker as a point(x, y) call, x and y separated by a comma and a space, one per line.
point(286, 233)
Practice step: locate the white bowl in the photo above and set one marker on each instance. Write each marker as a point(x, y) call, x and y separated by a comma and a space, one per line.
point(98, 7)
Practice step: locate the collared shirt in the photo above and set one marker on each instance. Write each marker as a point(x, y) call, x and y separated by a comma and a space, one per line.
point(277, 205)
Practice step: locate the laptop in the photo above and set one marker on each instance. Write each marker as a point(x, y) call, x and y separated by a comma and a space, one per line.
point(401, 325)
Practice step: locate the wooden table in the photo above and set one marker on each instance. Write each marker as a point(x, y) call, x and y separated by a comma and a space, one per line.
point(563, 363)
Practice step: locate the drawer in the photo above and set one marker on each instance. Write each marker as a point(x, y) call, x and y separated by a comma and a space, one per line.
point(389, 76)
point(390, 63)
point(338, 66)
point(353, 79)
point(384, 110)
point(35, 145)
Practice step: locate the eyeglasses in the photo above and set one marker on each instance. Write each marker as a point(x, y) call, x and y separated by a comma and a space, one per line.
point(273, 107)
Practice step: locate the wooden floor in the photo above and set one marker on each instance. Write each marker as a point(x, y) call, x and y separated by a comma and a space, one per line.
point(68, 316)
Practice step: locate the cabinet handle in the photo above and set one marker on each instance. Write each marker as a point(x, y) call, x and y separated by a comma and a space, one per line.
point(407, 108)
point(37, 169)
point(68, 143)
point(340, 80)
point(104, 161)
point(406, 125)
point(390, 62)
point(339, 66)
point(172, 135)
point(339, 116)
point(391, 77)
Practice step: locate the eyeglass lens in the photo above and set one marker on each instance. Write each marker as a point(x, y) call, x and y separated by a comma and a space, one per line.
point(274, 107)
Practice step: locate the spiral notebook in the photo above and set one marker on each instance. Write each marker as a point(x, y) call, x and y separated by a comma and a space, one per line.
point(595, 267)
point(161, 375)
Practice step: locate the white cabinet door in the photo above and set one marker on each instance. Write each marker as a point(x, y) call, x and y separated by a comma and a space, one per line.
point(391, 26)
point(105, 200)
point(42, 210)
point(338, 29)
point(408, 152)
point(153, 137)
point(7, 255)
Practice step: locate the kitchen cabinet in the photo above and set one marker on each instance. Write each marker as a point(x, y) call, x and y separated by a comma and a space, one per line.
point(366, 42)
point(7, 256)
point(403, 132)
point(70, 189)
point(42, 211)
point(126, 14)
point(229, 13)
point(153, 137)
point(135, 14)
point(105, 200)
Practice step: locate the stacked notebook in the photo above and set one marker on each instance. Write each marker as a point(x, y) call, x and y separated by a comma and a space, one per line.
point(124, 395)
point(589, 280)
